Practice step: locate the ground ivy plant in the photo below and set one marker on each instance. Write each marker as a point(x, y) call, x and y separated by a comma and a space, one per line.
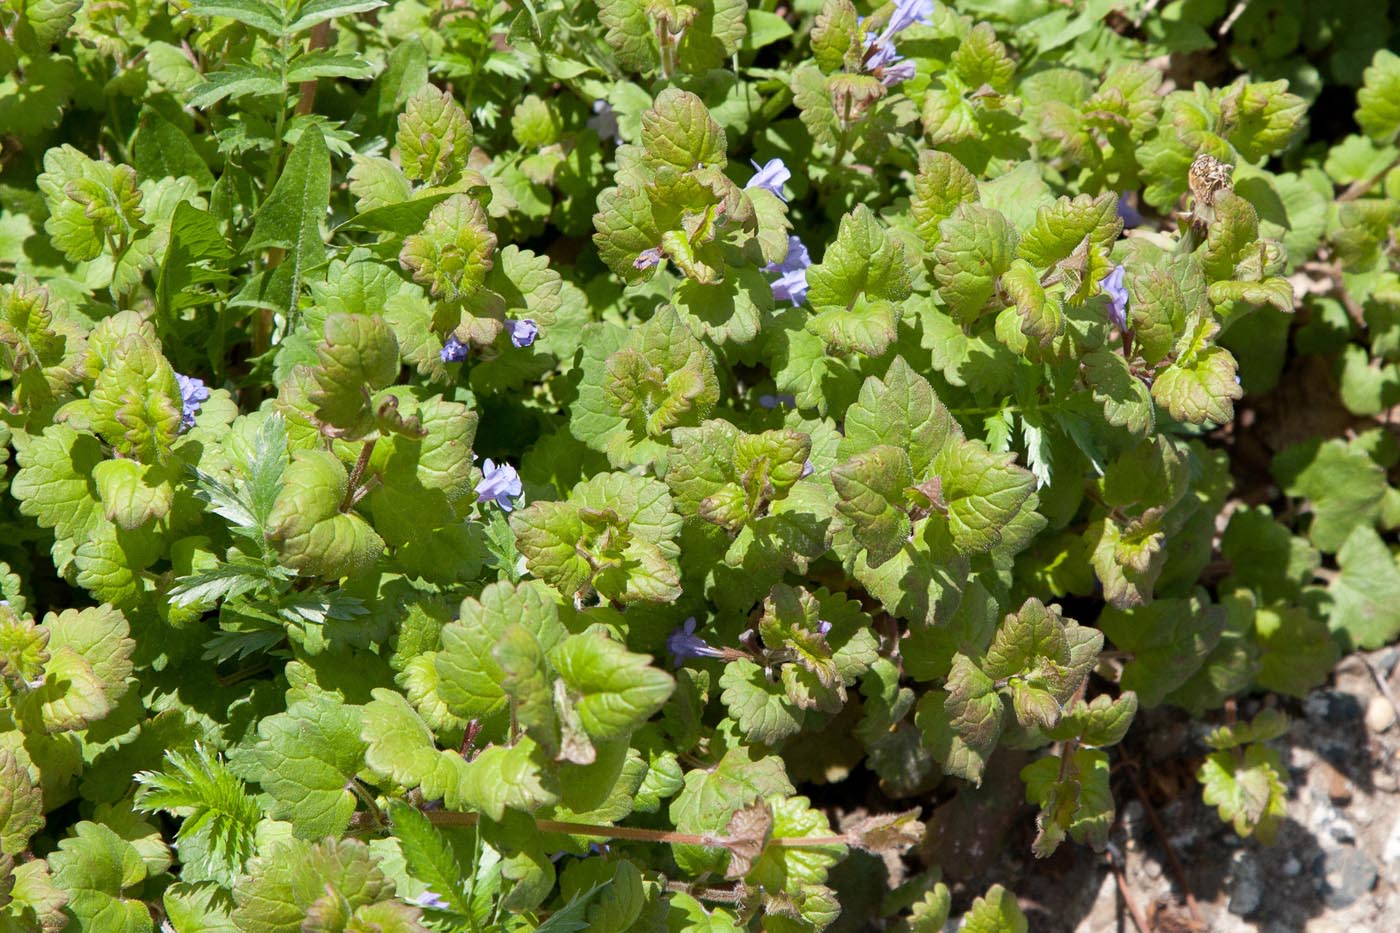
point(624, 465)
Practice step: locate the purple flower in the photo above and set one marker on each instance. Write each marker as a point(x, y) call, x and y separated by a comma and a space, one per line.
point(193, 394)
point(1112, 284)
point(499, 483)
point(454, 351)
point(791, 283)
point(770, 177)
point(522, 333)
point(807, 470)
point(684, 644)
point(773, 401)
point(897, 73)
point(907, 13)
point(431, 900)
point(647, 258)
point(823, 627)
point(604, 121)
point(878, 52)
point(1127, 213)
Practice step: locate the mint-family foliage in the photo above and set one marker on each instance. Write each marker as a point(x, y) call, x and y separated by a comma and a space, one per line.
point(626, 465)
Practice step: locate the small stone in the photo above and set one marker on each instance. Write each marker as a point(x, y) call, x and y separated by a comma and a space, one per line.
point(1342, 830)
point(1385, 782)
point(1245, 886)
point(1292, 867)
point(1345, 875)
point(1153, 869)
point(1380, 714)
point(1391, 852)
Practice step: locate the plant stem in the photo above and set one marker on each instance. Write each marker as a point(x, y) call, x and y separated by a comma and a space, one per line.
point(356, 474)
point(1359, 188)
point(635, 833)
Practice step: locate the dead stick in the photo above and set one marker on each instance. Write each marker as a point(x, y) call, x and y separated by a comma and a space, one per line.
point(1166, 845)
point(1128, 900)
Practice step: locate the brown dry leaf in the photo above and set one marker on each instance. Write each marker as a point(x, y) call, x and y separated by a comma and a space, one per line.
point(746, 835)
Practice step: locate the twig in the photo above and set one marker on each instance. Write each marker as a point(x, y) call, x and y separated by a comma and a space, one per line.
point(1359, 188)
point(1146, 10)
point(320, 38)
point(1161, 832)
point(638, 834)
point(1230, 20)
point(1383, 683)
point(1128, 900)
point(723, 895)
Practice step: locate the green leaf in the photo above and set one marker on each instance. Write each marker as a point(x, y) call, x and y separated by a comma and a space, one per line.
point(89, 203)
point(429, 856)
point(864, 260)
point(256, 13)
point(961, 726)
point(1169, 640)
point(759, 706)
point(453, 252)
point(291, 217)
point(1263, 118)
point(834, 37)
point(1200, 390)
point(1248, 791)
point(400, 745)
point(308, 528)
point(678, 131)
point(21, 805)
point(1365, 596)
point(218, 831)
point(161, 149)
point(713, 794)
point(1074, 799)
point(320, 11)
point(434, 137)
point(630, 33)
point(468, 671)
point(659, 378)
point(983, 491)
point(1344, 485)
point(612, 689)
point(1298, 650)
point(286, 881)
point(997, 912)
point(942, 184)
point(870, 489)
point(195, 261)
point(901, 411)
point(136, 400)
point(358, 354)
point(305, 759)
point(1060, 227)
point(96, 867)
point(976, 247)
point(1378, 101)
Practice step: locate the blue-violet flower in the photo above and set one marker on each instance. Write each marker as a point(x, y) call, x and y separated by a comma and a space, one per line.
point(1117, 292)
point(430, 899)
point(454, 351)
point(1127, 213)
point(770, 177)
point(647, 258)
point(499, 483)
point(193, 394)
point(684, 644)
point(604, 121)
point(522, 333)
point(773, 401)
point(791, 283)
